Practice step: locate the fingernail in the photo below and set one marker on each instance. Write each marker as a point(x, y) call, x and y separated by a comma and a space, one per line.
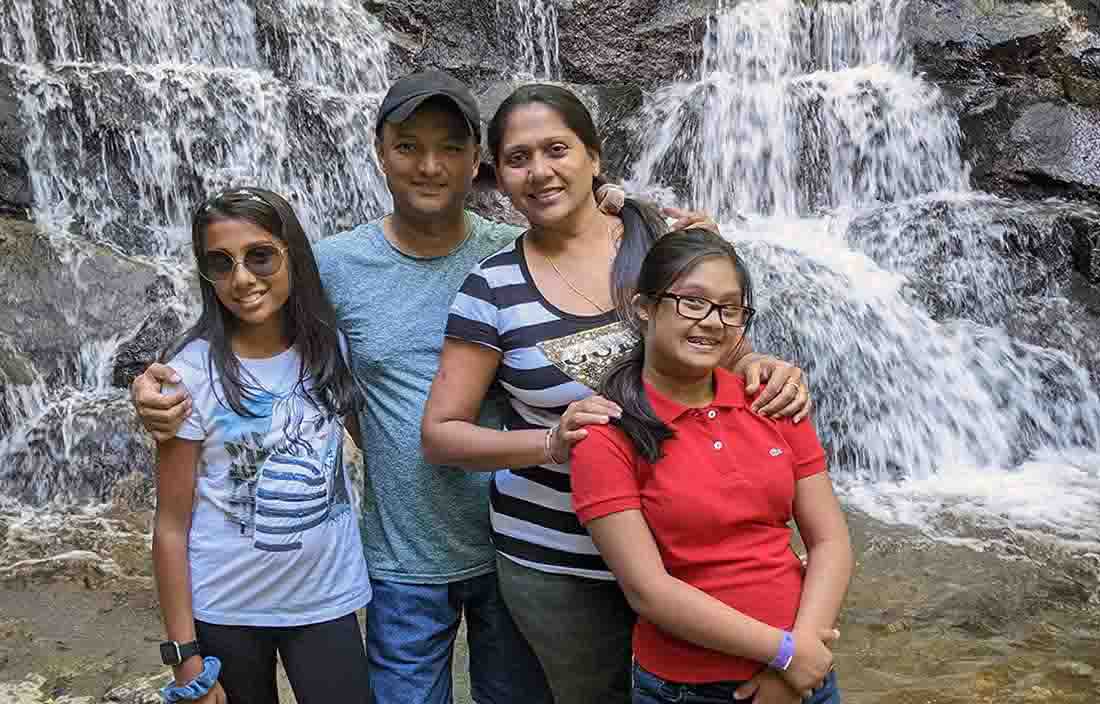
point(175, 379)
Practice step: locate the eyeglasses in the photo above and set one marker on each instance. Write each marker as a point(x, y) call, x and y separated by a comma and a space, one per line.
point(262, 260)
point(696, 308)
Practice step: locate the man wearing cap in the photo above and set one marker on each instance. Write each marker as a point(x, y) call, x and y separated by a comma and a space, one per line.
point(425, 529)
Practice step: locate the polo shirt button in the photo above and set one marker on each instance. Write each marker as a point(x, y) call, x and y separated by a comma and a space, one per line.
point(712, 413)
point(717, 444)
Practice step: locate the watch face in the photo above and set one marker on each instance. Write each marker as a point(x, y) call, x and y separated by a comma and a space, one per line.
point(170, 653)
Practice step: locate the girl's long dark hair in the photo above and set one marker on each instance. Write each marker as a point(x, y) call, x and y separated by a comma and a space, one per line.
point(642, 222)
point(673, 256)
point(308, 316)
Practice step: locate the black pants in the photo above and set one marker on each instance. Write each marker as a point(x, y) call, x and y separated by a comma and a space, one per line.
point(325, 662)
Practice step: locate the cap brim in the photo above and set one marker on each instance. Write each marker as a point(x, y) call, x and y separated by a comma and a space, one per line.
point(405, 110)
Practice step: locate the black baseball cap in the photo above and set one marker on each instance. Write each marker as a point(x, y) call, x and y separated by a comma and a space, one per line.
point(409, 93)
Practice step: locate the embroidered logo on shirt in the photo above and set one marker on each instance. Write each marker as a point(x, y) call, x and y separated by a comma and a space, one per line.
point(775, 452)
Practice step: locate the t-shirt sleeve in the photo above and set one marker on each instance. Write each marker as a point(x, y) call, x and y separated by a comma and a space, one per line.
point(499, 234)
point(603, 476)
point(809, 455)
point(474, 313)
point(192, 382)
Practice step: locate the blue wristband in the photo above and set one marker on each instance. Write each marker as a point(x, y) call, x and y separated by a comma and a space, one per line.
point(782, 659)
point(198, 687)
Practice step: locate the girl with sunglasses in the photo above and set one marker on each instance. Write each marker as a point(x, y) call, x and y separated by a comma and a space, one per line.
point(689, 493)
point(256, 546)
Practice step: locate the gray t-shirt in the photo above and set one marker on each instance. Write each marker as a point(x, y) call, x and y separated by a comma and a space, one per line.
point(422, 523)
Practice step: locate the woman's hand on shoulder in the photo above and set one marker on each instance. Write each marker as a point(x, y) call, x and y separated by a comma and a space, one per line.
point(594, 410)
point(785, 392)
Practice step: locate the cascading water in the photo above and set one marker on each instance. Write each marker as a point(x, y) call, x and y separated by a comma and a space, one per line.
point(535, 38)
point(838, 173)
point(134, 114)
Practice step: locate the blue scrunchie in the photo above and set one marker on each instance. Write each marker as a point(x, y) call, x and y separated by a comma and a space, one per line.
point(198, 687)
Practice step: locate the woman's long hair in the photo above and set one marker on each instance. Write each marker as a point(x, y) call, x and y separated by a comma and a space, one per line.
point(642, 223)
point(309, 319)
point(673, 256)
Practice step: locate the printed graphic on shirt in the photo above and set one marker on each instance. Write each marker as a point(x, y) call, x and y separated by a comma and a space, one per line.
point(587, 355)
point(280, 484)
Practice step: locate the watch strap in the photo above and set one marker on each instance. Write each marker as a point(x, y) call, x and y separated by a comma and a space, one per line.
point(173, 653)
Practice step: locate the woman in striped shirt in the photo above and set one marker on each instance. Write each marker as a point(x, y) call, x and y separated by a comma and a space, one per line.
point(537, 321)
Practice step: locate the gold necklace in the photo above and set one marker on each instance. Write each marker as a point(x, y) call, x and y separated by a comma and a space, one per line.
point(573, 288)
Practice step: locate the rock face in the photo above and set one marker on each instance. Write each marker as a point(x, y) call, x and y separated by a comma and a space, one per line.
point(15, 185)
point(1024, 78)
point(54, 293)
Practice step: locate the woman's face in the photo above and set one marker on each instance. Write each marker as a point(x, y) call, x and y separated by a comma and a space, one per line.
point(240, 255)
point(543, 166)
point(678, 345)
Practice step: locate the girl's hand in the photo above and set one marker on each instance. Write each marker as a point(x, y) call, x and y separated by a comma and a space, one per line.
point(594, 410)
point(216, 695)
point(768, 688)
point(812, 660)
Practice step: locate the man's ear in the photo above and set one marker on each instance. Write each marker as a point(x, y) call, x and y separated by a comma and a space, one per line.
point(380, 151)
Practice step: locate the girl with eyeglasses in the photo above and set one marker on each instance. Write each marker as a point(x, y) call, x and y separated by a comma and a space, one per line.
point(688, 496)
point(256, 546)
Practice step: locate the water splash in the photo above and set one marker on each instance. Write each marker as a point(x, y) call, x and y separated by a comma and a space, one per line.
point(838, 174)
point(535, 38)
point(800, 108)
point(134, 115)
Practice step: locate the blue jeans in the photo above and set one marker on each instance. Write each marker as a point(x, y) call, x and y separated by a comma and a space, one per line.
point(411, 632)
point(650, 689)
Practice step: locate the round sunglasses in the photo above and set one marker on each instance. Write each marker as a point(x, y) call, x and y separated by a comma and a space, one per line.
point(261, 260)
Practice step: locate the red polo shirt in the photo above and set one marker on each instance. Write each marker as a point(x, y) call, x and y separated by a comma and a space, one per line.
point(718, 503)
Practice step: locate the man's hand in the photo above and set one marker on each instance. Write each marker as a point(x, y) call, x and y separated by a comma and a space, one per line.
point(689, 218)
point(610, 198)
point(768, 688)
point(160, 414)
point(785, 392)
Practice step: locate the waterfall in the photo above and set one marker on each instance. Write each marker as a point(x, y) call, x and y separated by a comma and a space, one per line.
point(535, 38)
point(924, 313)
point(134, 112)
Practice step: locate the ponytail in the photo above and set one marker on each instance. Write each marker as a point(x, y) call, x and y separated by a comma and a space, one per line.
point(642, 227)
point(623, 385)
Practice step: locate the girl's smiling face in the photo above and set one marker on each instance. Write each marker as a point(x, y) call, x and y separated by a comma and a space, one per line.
point(254, 300)
point(680, 346)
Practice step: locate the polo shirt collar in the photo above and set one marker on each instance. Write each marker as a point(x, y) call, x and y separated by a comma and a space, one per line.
point(729, 393)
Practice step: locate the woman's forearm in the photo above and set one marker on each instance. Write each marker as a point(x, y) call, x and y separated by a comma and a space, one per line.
point(459, 443)
point(828, 573)
point(173, 577)
point(683, 611)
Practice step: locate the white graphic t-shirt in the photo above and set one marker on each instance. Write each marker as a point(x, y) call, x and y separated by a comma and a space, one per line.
point(274, 537)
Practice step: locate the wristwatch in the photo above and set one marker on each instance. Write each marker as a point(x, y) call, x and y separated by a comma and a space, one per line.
point(173, 653)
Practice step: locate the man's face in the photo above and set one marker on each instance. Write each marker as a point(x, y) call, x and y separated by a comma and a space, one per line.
point(430, 160)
